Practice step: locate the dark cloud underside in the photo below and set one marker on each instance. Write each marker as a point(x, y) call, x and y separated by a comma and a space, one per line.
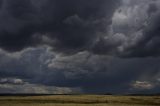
point(89, 46)
point(73, 24)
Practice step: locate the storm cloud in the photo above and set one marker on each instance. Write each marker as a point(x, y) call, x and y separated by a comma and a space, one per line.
point(68, 46)
point(70, 25)
point(120, 28)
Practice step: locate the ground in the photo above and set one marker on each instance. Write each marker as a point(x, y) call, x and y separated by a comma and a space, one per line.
point(79, 100)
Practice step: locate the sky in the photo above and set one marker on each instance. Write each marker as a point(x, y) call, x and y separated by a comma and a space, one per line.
point(80, 46)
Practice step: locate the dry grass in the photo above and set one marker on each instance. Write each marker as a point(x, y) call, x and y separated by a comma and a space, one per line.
point(80, 100)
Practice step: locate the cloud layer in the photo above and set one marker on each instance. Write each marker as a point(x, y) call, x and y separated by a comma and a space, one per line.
point(70, 25)
point(93, 46)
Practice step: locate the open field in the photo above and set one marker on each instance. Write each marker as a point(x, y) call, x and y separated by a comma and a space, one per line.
point(79, 100)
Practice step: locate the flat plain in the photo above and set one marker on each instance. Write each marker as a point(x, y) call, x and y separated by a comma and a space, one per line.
point(79, 100)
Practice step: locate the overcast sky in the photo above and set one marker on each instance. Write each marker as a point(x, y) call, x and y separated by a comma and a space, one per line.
point(79, 46)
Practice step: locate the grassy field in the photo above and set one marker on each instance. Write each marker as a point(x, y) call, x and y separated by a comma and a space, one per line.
point(79, 100)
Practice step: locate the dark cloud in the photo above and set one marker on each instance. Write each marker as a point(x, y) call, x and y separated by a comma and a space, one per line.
point(91, 73)
point(100, 37)
point(73, 25)
point(148, 45)
point(152, 9)
point(138, 23)
point(101, 27)
point(1, 2)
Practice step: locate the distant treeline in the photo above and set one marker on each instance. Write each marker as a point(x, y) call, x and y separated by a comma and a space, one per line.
point(9, 94)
